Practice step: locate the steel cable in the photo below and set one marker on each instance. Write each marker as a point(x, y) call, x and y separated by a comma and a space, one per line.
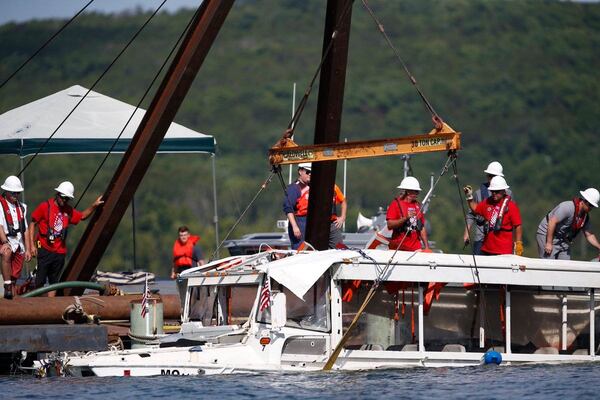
point(47, 42)
point(262, 187)
point(381, 273)
point(481, 288)
point(298, 113)
point(137, 106)
point(92, 87)
point(411, 78)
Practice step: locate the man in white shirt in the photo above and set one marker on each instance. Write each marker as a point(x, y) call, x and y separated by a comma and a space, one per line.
point(14, 247)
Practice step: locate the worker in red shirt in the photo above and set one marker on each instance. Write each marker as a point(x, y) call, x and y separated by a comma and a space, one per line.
point(186, 253)
point(52, 218)
point(502, 218)
point(405, 219)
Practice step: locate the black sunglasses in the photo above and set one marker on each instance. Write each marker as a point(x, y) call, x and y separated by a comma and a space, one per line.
point(65, 198)
point(496, 191)
point(14, 193)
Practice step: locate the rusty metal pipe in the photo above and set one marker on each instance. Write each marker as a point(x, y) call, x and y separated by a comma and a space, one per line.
point(49, 310)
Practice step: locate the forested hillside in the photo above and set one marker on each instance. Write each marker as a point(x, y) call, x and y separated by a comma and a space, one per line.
point(519, 79)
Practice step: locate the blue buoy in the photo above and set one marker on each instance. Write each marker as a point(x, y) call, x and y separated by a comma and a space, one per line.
point(492, 357)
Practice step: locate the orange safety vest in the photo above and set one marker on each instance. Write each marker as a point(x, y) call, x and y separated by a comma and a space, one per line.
point(182, 253)
point(302, 202)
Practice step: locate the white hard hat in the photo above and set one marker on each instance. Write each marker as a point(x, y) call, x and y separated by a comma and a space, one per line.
point(591, 195)
point(305, 165)
point(12, 184)
point(498, 183)
point(494, 168)
point(66, 188)
point(410, 183)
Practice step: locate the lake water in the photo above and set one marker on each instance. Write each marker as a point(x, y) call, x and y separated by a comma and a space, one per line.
point(576, 381)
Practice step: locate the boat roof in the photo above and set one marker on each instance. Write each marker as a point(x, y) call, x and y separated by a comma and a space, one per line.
point(301, 271)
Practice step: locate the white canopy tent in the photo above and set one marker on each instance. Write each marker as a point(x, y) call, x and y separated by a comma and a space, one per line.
point(91, 128)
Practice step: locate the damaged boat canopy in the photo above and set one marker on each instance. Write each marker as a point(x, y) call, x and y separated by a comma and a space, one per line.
point(300, 272)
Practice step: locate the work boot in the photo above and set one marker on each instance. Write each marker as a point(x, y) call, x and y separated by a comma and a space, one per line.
point(8, 291)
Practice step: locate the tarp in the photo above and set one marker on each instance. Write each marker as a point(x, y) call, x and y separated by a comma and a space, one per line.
point(300, 272)
point(92, 128)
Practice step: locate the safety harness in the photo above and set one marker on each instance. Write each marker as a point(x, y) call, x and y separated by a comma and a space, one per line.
point(12, 232)
point(50, 233)
point(495, 223)
point(576, 225)
point(409, 225)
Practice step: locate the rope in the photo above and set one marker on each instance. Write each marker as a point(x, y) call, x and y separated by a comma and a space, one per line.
point(381, 273)
point(298, 113)
point(137, 107)
point(436, 118)
point(262, 187)
point(92, 87)
point(476, 274)
point(47, 42)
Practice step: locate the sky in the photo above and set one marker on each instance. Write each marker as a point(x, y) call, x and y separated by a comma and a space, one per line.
point(25, 10)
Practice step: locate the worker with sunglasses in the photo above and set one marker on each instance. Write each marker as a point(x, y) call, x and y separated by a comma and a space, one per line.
point(474, 231)
point(559, 227)
point(295, 207)
point(52, 218)
point(502, 219)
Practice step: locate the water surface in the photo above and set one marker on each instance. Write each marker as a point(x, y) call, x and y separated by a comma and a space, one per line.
point(576, 381)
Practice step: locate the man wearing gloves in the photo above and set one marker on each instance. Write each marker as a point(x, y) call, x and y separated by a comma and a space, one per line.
point(502, 218)
point(493, 169)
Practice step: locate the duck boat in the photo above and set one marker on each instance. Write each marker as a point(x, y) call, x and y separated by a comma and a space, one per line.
point(428, 310)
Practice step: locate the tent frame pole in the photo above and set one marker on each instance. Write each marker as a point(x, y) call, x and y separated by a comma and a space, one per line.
point(213, 156)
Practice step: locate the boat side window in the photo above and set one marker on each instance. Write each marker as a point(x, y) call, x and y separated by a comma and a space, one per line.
point(202, 303)
point(234, 302)
point(312, 313)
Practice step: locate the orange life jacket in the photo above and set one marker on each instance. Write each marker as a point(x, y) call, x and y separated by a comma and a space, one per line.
point(182, 253)
point(302, 202)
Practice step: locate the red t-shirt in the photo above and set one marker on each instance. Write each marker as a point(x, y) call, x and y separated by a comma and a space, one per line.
point(61, 218)
point(411, 242)
point(499, 242)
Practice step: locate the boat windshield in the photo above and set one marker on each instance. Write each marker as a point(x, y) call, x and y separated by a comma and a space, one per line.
point(221, 305)
point(312, 313)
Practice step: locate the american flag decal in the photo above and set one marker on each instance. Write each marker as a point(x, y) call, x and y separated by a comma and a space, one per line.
point(145, 298)
point(265, 294)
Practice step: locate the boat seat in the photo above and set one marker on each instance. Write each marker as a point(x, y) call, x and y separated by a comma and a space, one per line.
point(410, 347)
point(394, 347)
point(499, 349)
point(455, 348)
point(372, 347)
point(581, 352)
point(546, 350)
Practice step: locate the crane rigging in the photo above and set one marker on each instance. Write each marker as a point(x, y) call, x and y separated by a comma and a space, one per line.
point(286, 151)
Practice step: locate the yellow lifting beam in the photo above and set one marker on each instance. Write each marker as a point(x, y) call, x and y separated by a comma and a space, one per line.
point(288, 152)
